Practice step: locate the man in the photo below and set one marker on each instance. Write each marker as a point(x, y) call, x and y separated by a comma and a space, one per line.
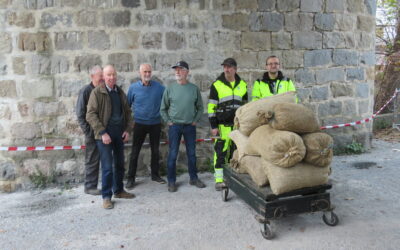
point(92, 157)
point(110, 117)
point(181, 109)
point(273, 81)
point(144, 98)
point(227, 94)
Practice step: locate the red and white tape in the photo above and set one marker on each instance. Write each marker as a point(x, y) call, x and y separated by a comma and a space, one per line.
point(46, 148)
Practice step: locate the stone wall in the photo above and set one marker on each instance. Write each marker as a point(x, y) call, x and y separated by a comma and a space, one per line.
point(47, 47)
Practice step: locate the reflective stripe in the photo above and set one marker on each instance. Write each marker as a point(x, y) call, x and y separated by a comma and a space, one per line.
point(230, 98)
point(212, 102)
point(212, 115)
point(219, 175)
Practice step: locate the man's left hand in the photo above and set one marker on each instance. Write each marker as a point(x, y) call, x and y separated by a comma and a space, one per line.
point(125, 136)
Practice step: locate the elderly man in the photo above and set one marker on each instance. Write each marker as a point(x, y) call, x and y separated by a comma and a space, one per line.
point(110, 117)
point(144, 98)
point(227, 94)
point(92, 157)
point(181, 109)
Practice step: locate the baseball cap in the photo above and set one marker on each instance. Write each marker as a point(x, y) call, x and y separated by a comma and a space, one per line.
point(229, 62)
point(181, 64)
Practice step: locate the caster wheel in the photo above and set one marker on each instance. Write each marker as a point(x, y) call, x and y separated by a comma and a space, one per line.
point(330, 220)
point(225, 192)
point(266, 231)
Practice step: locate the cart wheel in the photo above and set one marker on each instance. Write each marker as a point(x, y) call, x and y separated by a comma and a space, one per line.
point(266, 231)
point(225, 192)
point(330, 220)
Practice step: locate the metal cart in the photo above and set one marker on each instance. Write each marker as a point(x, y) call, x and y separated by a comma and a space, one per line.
point(271, 207)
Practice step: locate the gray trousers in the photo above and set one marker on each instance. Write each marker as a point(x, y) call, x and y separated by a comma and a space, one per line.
point(92, 163)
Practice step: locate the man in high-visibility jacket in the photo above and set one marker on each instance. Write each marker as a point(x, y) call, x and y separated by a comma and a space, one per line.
point(227, 94)
point(273, 81)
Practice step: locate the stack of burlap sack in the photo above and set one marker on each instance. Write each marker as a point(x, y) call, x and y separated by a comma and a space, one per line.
point(278, 142)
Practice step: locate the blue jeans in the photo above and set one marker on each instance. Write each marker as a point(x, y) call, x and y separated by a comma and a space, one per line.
point(112, 162)
point(175, 133)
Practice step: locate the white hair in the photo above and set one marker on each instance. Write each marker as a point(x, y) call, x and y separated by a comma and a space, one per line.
point(95, 69)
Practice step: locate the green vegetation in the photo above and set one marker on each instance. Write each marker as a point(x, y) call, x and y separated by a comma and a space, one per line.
point(354, 148)
point(40, 180)
point(382, 124)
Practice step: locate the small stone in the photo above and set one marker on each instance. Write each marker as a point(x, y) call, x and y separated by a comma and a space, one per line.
point(152, 40)
point(122, 62)
point(72, 40)
point(18, 65)
point(236, 21)
point(256, 41)
point(307, 40)
point(317, 57)
point(355, 74)
point(87, 18)
point(175, 40)
point(21, 19)
point(34, 41)
point(98, 40)
point(311, 5)
point(85, 62)
point(8, 89)
point(117, 18)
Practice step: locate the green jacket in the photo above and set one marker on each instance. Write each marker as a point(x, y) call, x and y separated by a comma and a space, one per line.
point(268, 87)
point(99, 110)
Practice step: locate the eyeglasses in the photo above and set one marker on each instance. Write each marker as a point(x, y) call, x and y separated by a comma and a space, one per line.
point(275, 63)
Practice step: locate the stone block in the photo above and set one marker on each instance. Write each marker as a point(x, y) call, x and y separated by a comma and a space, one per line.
point(221, 5)
point(266, 5)
point(102, 4)
point(198, 4)
point(86, 18)
point(46, 64)
point(334, 40)
point(67, 87)
point(71, 40)
point(198, 40)
point(305, 76)
point(159, 61)
point(128, 39)
point(72, 3)
point(151, 4)
point(37, 166)
point(307, 40)
point(18, 64)
point(370, 72)
point(28, 130)
point(320, 93)
point(24, 109)
point(5, 114)
point(98, 40)
point(334, 5)
point(292, 59)
point(6, 42)
point(341, 89)
point(7, 170)
point(4, 4)
point(303, 94)
point(349, 108)
point(41, 109)
point(38, 42)
point(245, 59)
point(246, 5)
point(176, 4)
point(324, 21)
point(194, 59)
point(21, 19)
point(214, 59)
point(345, 22)
point(122, 62)
point(142, 19)
point(8, 89)
point(38, 4)
point(366, 23)
point(355, 74)
point(220, 40)
point(130, 3)
point(256, 41)
point(117, 18)
point(350, 40)
point(43, 88)
point(368, 58)
point(49, 20)
point(355, 6)
point(263, 55)
point(299, 21)
point(204, 81)
point(365, 40)
point(175, 40)
point(288, 5)
point(371, 6)
point(311, 5)
point(281, 40)
point(266, 21)
point(362, 90)
point(85, 62)
point(330, 75)
point(330, 108)
point(3, 65)
point(314, 58)
point(236, 21)
point(363, 107)
point(345, 57)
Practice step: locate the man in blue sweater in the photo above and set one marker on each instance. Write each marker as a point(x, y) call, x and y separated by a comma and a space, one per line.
point(144, 98)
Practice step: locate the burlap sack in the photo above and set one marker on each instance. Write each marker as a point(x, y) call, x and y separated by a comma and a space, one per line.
point(253, 166)
point(234, 163)
point(294, 117)
point(282, 148)
point(319, 149)
point(240, 141)
point(254, 114)
point(302, 175)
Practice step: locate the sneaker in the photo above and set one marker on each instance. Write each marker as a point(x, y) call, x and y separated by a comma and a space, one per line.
point(158, 179)
point(93, 191)
point(219, 186)
point(107, 203)
point(124, 195)
point(172, 188)
point(198, 183)
point(130, 184)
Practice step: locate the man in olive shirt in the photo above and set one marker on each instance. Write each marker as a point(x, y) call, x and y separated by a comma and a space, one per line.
point(181, 109)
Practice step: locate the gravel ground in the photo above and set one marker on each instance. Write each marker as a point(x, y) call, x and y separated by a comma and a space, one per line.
point(366, 197)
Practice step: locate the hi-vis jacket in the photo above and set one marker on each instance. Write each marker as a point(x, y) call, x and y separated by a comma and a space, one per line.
point(225, 99)
point(268, 87)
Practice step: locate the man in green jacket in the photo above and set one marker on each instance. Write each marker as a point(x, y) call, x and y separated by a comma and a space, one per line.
point(181, 108)
point(109, 115)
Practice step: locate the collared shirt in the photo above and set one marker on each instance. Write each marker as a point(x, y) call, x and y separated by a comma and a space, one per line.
point(110, 89)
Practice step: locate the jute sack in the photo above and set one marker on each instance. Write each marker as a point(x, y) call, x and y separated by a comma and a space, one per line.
point(253, 166)
point(253, 114)
point(282, 148)
point(234, 163)
point(240, 141)
point(302, 175)
point(319, 150)
point(293, 117)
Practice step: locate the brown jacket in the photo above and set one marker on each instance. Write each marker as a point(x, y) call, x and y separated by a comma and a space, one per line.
point(99, 110)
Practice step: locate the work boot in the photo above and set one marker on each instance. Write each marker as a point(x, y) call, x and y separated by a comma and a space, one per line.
point(219, 186)
point(158, 179)
point(124, 195)
point(198, 183)
point(92, 191)
point(107, 203)
point(172, 187)
point(130, 184)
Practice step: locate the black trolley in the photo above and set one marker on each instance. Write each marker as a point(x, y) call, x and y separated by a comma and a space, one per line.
point(271, 207)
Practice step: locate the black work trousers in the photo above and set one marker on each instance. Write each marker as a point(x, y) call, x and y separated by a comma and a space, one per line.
point(92, 163)
point(139, 135)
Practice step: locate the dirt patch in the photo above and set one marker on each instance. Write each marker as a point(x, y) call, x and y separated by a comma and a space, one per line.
point(388, 134)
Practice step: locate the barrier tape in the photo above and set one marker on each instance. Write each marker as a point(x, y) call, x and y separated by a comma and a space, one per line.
point(50, 148)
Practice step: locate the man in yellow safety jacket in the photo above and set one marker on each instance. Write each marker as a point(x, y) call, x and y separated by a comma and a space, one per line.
point(227, 94)
point(273, 81)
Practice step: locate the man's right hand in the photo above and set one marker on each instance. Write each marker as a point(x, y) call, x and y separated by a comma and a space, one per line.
point(214, 131)
point(106, 138)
